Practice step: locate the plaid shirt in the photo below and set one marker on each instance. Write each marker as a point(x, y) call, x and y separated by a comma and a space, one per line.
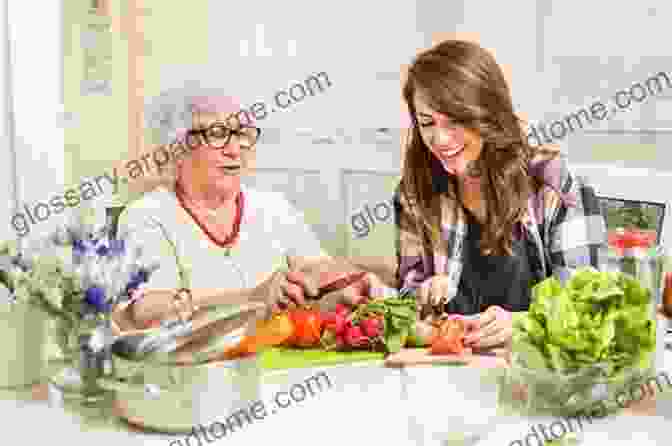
point(563, 221)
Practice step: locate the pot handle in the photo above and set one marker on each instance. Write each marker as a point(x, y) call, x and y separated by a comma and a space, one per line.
point(149, 391)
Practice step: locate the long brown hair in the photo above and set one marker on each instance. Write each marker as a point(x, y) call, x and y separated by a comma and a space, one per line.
point(462, 80)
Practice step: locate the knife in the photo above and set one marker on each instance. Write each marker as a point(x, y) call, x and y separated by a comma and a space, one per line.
point(341, 283)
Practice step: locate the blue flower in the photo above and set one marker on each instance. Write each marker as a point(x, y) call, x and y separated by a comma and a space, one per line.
point(78, 246)
point(95, 296)
point(142, 276)
point(102, 250)
point(117, 247)
point(137, 279)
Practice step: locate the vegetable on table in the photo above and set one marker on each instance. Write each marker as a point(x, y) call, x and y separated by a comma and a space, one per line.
point(449, 339)
point(598, 317)
point(599, 327)
point(269, 333)
point(307, 327)
point(378, 325)
point(421, 335)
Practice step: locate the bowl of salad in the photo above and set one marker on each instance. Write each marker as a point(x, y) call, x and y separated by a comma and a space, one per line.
point(581, 343)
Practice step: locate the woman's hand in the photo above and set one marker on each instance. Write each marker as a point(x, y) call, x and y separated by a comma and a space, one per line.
point(152, 305)
point(309, 278)
point(493, 328)
point(295, 288)
point(358, 292)
point(433, 291)
point(280, 291)
point(300, 287)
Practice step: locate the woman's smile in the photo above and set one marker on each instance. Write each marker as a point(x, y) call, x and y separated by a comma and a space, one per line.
point(230, 169)
point(453, 158)
point(446, 152)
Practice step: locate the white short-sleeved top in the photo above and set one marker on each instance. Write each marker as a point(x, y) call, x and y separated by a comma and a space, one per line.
point(271, 228)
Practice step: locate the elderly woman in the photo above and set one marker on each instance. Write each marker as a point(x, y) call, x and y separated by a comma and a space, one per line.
point(482, 216)
point(230, 241)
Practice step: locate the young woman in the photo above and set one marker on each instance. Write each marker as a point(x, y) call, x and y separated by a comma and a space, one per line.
point(482, 215)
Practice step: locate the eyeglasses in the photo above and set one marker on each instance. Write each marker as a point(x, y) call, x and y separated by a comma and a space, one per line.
point(218, 135)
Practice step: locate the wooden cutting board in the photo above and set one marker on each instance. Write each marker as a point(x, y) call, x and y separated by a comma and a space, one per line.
point(407, 357)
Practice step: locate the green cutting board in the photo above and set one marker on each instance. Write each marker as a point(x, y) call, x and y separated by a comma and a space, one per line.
point(285, 358)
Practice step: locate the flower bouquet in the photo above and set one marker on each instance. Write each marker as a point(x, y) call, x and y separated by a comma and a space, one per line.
point(77, 275)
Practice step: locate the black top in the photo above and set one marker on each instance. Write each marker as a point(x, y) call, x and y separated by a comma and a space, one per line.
point(493, 280)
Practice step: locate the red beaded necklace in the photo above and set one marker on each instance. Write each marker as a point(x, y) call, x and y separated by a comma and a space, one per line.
point(231, 238)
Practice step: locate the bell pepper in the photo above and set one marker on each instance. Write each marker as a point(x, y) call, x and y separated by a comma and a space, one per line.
point(269, 333)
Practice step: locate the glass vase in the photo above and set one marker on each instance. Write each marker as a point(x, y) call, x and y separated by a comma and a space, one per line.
point(88, 357)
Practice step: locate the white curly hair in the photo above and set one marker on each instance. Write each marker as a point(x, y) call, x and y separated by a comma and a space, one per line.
point(169, 115)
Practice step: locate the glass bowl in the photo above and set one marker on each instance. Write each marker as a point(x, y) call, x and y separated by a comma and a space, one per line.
point(587, 391)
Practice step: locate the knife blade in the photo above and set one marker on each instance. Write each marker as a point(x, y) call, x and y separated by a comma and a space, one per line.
point(341, 283)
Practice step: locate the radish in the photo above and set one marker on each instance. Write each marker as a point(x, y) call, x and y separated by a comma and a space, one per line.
point(340, 324)
point(371, 327)
point(335, 322)
point(354, 336)
point(342, 310)
point(340, 342)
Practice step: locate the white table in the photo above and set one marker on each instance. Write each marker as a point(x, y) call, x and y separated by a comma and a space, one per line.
point(366, 404)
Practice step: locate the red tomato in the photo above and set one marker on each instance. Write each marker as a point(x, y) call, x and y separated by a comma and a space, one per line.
point(450, 338)
point(444, 345)
point(307, 327)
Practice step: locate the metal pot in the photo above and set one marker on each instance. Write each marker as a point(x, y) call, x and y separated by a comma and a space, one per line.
point(176, 398)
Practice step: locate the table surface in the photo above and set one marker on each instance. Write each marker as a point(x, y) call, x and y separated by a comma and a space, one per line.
point(367, 402)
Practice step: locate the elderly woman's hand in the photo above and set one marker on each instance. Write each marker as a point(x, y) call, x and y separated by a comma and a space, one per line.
point(148, 307)
point(329, 282)
point(365, 287)
point(279, 292)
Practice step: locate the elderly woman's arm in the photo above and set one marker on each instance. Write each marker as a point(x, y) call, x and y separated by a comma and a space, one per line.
point(158, 303)
point(156, 299)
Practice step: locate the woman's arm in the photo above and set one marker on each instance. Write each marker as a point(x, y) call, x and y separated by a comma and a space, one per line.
point(156, 300)
point(157, 304)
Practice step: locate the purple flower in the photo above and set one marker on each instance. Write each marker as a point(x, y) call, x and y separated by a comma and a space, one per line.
point(95, 296)
point(142, 276)
point(117, 247)
point(137, 279)
point(102, 250)
point(78, 246)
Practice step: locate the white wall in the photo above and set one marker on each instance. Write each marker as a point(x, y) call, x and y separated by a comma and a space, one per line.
point(560, 56)
point(36, 73)
point(6, 130)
